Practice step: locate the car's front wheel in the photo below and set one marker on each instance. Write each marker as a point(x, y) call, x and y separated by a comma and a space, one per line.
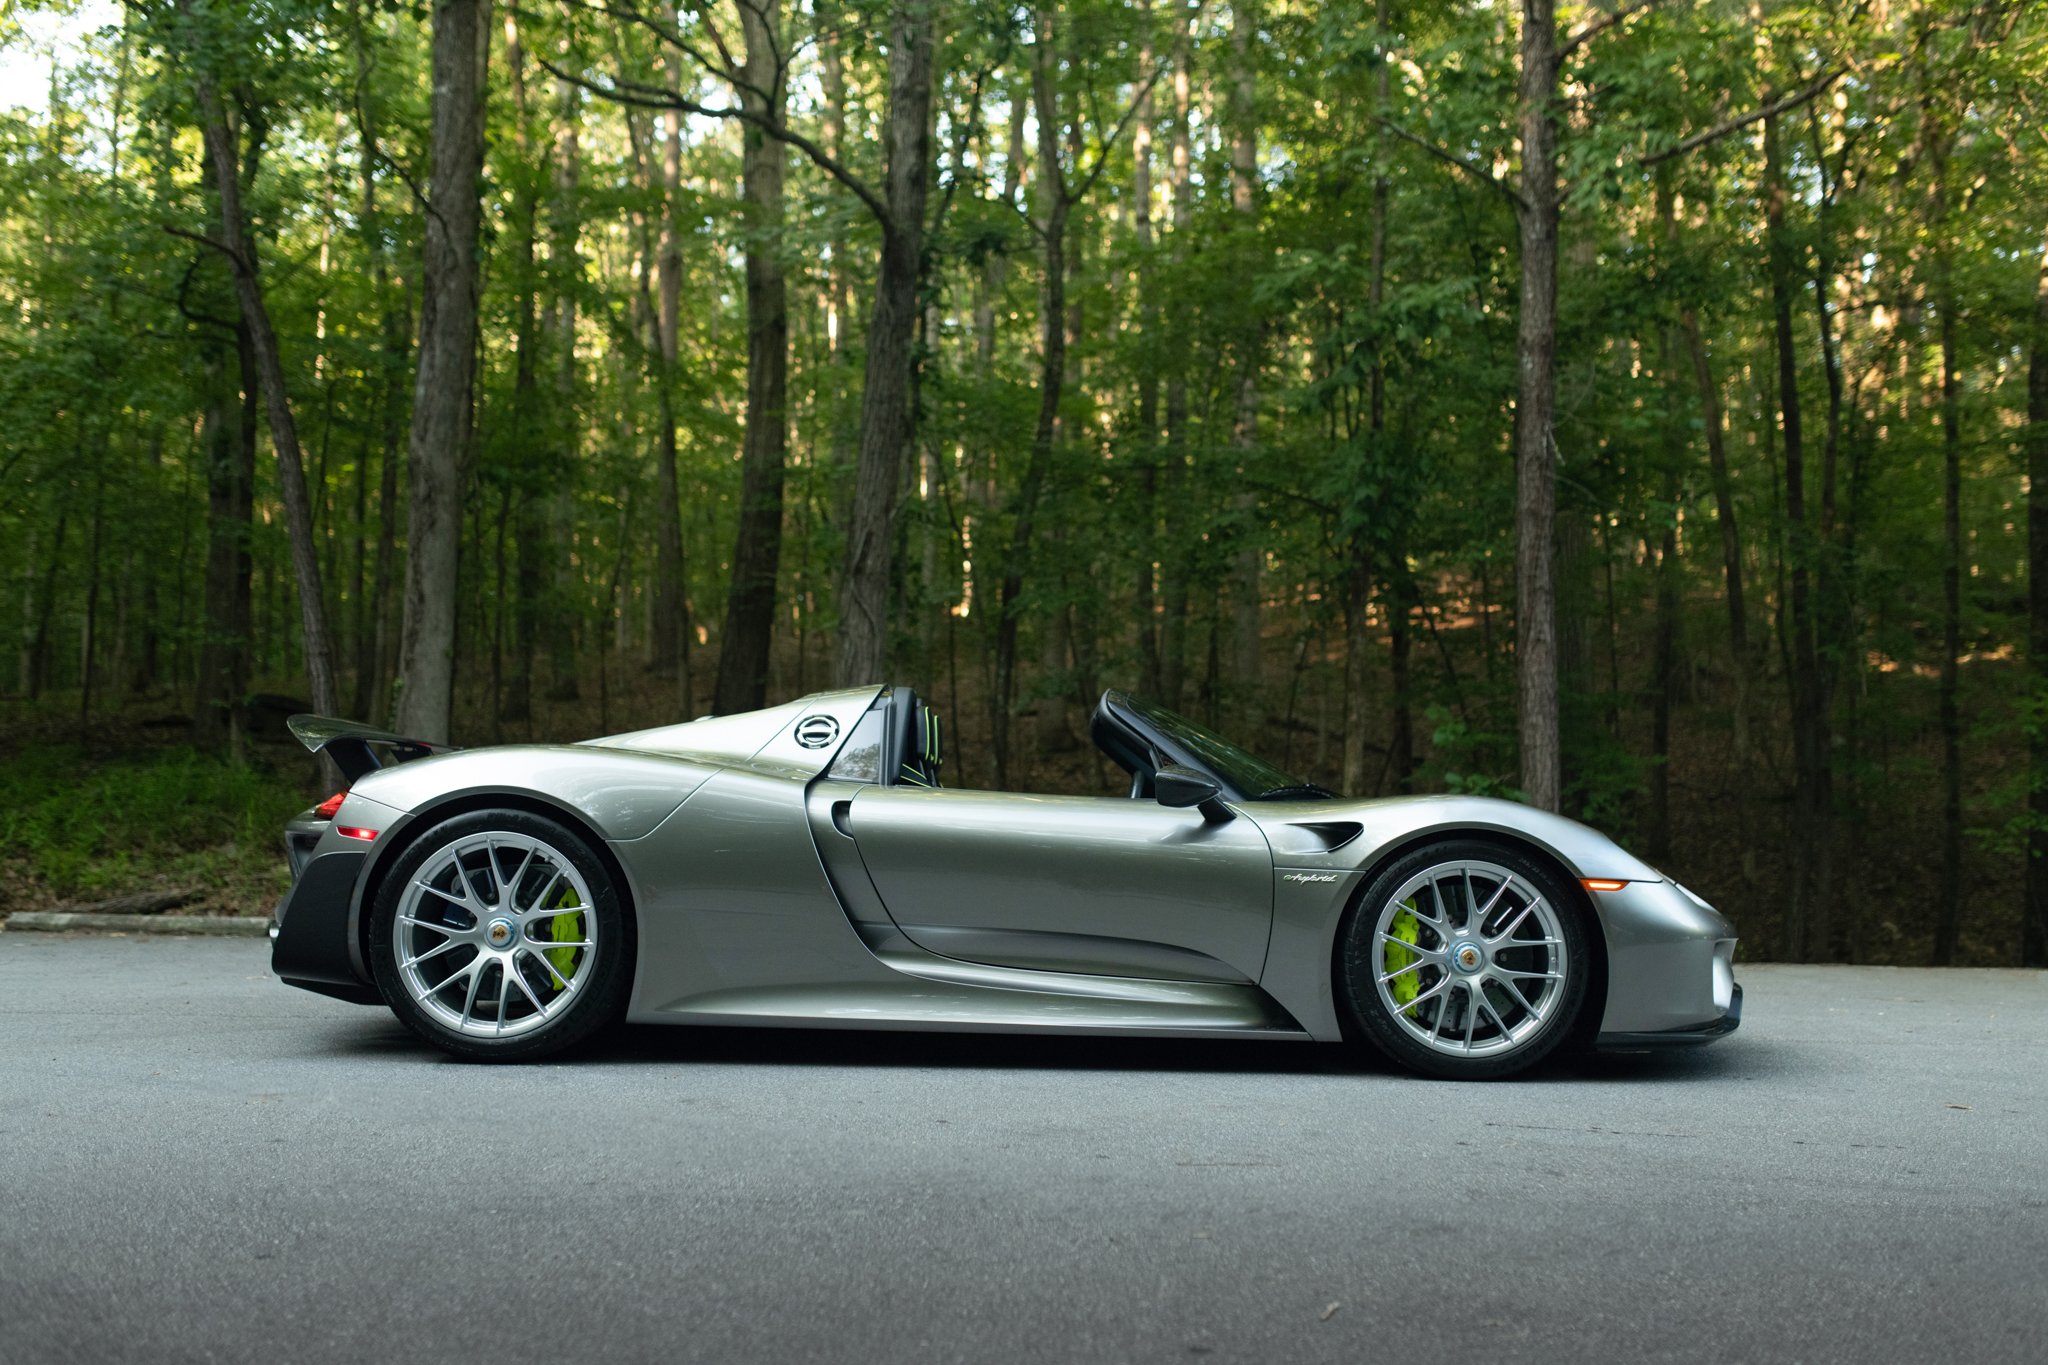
point(499, 936)
point(1465, 959)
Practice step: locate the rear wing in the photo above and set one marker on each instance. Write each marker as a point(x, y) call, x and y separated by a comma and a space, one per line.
point(358, 749)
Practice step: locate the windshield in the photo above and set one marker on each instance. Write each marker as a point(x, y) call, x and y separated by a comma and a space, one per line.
point(1251, 775)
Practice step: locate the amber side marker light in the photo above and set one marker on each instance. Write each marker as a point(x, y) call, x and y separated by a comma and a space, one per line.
point(355, 832)
point(1590, 883)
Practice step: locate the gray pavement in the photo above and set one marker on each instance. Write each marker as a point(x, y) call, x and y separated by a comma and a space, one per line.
point(202, 1165)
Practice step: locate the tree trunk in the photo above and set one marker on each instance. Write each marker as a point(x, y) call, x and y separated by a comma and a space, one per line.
point(528, 432)
point(565, 266)
point(742, 683)
point(1245, 645)
point(1145, 448)
point(666, 604)
point(361, 633)
point(1664, 651)
point(2034, 920)
point(662, 312)
point(1357, 648)
point(230, 478)
point(1948, 909)
point(376, 645)
point(669, 628)
point(1724, 516)
point(441, 387)
point(230, 447)
point(397, 344)
point(143, 680)
point(284, 435)
point(88, 645)
point(1536, 660)
point(1173, 559)
point(1400, 652)
point(1401, 734)
point(863, 643)
point(38, 669)
point(1051, 376)
point(1812, 799)
point(839, 296)
point(839, 441)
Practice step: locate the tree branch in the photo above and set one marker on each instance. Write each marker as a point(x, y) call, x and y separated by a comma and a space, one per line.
point(182, 301)
point(365, 128)
point(222, 247)
point(1077, 194)
point(1721, 130)
point(1593, 28)
point(775, 52)
point(725, 68)
point(623, 91)
point(1479, 173)
point(964, 134)
point(703, 14)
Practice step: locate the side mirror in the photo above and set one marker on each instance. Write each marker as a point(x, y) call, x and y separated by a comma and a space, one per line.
point(1178, 787)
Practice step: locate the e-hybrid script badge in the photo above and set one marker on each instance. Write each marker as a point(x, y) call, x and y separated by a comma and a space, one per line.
point(815, 732)
point(1310, 877)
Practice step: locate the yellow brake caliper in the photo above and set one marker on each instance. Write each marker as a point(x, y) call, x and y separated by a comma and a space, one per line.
point(1409, 984)
point(564, 929)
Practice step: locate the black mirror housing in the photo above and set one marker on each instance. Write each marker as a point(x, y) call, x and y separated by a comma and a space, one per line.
point(1178, 787)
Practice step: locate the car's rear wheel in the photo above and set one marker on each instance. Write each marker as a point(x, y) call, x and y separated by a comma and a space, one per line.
point(499, 936)
point(1465, 959)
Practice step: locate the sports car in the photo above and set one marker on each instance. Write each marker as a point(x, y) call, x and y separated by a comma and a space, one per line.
point(804, 866)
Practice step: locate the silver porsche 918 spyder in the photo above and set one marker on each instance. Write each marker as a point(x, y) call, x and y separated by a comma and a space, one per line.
point(804, 866)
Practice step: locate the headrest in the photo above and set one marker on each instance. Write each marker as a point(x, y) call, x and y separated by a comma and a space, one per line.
point(921, 751)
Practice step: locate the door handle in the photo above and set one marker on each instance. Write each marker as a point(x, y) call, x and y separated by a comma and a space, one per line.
point(841, 821)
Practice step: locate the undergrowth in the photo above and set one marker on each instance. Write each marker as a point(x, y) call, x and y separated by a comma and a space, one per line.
point(75, 827)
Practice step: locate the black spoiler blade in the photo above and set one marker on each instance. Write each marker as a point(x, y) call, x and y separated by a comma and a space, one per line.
point(358, 749)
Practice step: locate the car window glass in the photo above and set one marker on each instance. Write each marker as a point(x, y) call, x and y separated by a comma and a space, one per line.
point(861, 759)
point(1244, 772)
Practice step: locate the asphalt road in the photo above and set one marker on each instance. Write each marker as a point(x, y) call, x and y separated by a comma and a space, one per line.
point(200, 1164)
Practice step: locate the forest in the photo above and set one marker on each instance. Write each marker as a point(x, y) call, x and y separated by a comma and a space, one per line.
point(1632, 408)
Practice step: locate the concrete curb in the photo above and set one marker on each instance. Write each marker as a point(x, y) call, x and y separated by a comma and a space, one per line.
point(57, 922)
point(141, 903)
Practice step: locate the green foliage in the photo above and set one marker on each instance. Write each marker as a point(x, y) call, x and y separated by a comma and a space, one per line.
point(1469, 760)
point(85, 828)
point(1314, 379)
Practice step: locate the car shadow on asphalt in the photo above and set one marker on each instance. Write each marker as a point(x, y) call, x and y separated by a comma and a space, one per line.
point(652, 1044)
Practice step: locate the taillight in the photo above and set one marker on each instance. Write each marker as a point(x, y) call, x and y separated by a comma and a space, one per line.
point(326, 809)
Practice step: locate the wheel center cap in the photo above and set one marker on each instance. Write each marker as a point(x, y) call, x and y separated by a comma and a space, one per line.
point(1467, 956)
point(501, 933)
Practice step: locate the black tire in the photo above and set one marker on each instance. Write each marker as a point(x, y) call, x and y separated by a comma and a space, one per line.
point(1503, 1040)
point(597, 1000)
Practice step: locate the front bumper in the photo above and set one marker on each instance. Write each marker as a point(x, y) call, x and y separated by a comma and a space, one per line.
point(1712, 1031)
point(1670, 968)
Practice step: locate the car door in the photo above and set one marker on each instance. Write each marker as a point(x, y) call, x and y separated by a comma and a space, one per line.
point(1100, 885)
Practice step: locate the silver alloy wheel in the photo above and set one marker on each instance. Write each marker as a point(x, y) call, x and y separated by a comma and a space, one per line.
point(1469, 959)
point(495, 934)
